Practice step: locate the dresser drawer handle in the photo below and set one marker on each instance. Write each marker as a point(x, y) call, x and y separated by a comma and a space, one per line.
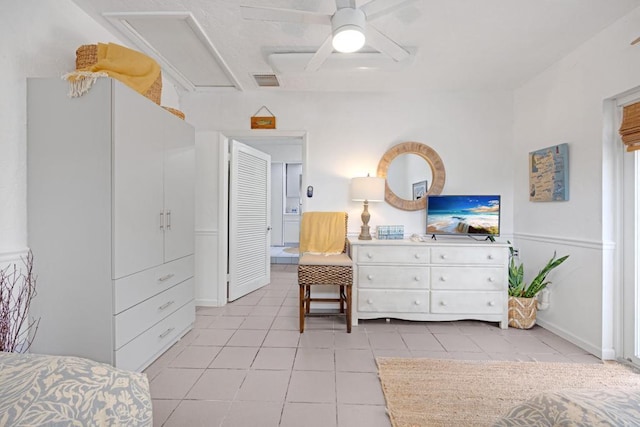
point(443, 278)
point(442, 303)
point(369, 255)
point(491, 303)
point(369, 301)
point(443, 256)
point(417, 302)
point(417, 278)
point(165, 305)
point(369, 276)
point(417, 256)
point(490, 256)
point(165, 333)
point(166, 277)
point(490, 279)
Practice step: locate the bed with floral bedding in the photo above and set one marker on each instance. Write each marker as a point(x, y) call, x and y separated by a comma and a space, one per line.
point(38, 390)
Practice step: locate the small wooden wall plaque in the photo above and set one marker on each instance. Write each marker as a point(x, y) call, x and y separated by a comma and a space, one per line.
point(263, 122)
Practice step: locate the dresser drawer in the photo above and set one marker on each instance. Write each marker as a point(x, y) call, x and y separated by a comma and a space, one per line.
point(467, 302)
point(408, 277)
point(132, 322)
point(139, 353)
point(394, 254)
point(373, 300)
point(138, 287)
point(473, 278)
point(469, 255)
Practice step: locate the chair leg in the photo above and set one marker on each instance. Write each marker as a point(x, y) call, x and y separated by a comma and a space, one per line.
point(302, 295)
point(307, 298)
point(341, 298)
point(348, 309)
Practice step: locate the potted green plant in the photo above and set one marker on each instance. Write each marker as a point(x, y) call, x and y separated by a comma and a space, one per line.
point(523, 302)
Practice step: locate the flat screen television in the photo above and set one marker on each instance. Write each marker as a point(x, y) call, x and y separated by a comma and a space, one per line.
point(463, 215)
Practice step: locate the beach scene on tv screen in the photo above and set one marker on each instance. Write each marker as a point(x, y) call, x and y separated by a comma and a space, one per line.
point(463, 215)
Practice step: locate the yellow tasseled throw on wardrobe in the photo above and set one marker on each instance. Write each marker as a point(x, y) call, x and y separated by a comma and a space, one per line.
point(322, 232)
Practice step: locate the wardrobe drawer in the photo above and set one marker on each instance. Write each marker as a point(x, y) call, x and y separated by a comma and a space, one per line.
point(138, 287)
point(132, 322)
point(391, 277)
point(473, 278)
point(393, 254)
point(144, 349)
point(468, 302)
point(469, 255)
point(373, 301)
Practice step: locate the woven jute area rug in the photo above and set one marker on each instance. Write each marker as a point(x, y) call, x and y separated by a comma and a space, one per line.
point(434, 392)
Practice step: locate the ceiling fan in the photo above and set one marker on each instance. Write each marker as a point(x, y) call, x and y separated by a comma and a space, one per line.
point(350, 28)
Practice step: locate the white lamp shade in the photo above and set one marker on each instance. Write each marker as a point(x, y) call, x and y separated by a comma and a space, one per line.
point(370, 188)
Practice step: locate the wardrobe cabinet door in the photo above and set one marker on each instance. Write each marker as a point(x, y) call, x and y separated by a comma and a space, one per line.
point(138, 215)
point(179, 188)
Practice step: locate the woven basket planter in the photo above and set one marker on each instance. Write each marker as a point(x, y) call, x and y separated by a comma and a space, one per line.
point(87, 55)
point(522, 312)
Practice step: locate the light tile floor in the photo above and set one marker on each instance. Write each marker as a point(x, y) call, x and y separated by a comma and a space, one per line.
point(246, 364)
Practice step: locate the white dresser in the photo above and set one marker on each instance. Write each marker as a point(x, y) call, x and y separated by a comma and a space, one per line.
point(439, 280)
point(110, 222)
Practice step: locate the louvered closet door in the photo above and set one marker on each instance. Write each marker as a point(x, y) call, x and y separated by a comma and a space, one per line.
point(249, 219)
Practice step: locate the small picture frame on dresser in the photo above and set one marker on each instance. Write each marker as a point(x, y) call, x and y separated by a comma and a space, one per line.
point(419, 189)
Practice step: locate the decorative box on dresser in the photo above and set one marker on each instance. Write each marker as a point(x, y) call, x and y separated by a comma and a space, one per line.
point(434, 281)
point(110, 222)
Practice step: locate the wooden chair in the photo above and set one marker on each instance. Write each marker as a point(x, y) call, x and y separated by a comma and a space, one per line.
point(324, 269)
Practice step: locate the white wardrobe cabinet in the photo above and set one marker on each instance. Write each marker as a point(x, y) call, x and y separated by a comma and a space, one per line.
point(110, 222)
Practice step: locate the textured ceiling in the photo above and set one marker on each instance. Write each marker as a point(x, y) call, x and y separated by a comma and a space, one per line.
point(459, 44)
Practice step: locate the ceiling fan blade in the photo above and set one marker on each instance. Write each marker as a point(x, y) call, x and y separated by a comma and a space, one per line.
point(384, 44)
point(345, 3)
point(376, 8)
point(321, 55)
point(284, 15)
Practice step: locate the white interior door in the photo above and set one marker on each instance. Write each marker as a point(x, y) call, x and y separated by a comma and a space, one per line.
point(249, 219)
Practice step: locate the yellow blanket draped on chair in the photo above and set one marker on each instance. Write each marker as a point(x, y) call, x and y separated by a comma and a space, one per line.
point(322, 232)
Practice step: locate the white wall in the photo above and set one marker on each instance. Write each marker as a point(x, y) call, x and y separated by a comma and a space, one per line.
point(348, 134)
point(566, 103)
point(38, 38)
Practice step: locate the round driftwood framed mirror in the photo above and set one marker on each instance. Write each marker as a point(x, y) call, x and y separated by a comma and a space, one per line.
point(408, 191)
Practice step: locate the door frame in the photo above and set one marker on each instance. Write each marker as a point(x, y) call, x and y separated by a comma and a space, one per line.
point(223, 190)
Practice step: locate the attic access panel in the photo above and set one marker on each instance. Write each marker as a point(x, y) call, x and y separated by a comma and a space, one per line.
point(180, 46)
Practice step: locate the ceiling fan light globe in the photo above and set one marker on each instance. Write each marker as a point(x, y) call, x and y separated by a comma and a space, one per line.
point(348, 39)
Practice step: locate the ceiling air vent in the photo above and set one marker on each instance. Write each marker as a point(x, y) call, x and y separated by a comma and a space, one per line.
point(266, 80)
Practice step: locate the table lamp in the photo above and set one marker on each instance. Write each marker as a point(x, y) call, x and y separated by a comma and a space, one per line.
point(367, 189)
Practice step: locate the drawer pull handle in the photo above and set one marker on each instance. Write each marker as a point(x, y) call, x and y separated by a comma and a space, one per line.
point(443, 279)
point(370, 277)
point(490, 279)
point(369, 255)
point(417, 302)
point(165, 333)
point(166, 277)
point(490, 256)
point(443, 256)
point(165, 305)
point(369, 301)
point(491, 303)
point(442, 303)
point(417, 256)
point(417, 278)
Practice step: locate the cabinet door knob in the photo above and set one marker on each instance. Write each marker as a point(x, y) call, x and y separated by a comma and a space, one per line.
point(442, 303)
point(369, 301)
point(417, 302)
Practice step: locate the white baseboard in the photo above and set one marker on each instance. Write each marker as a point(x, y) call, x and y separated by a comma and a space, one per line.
point(208, 303)
point(604, 354)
